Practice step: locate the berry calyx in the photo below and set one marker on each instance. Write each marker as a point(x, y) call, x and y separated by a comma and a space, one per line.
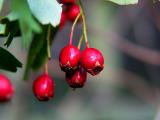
point(63, 19)
point(92, 61)
point(6, 89)
point(67, 1)
point(69, 58)
point(44, 87)
point(77, 78)
point(73, 12)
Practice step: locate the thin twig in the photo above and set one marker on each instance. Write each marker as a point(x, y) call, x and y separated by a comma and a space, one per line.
point(48, 42)
point(73, 26)
point(80, 42)
point(84, 24)
point(46, 67)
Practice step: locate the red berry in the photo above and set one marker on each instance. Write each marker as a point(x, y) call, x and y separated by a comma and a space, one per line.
point(92, 61)
point(77, 78)
point(73, 12)
point(67, 1)
point(6, 89)
point(63, 19)
point(43, 87)
point(69, 58)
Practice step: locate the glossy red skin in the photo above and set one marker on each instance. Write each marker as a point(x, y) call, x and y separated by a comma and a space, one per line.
point(63, 19)
point(73, 12)
point(69, 58)
point(92, 61)
point(77, 78)
point(67, 1)
point(6, 89)
point(44, 87)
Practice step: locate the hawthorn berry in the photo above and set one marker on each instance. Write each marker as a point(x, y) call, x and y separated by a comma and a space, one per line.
point(63, 19)
point(6, 89)
point(44, 87)
point(67, 1)
point(73, 12)
point(92, 61)
point(76, 78)
point(69, 58)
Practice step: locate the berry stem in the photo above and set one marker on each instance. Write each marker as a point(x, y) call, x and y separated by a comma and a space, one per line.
point(46, 67)
point(84, 25)
point(80, 42)
point(48, 42)
point(72, 29)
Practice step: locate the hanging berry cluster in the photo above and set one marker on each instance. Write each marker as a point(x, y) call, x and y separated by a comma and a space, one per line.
point(74, 62)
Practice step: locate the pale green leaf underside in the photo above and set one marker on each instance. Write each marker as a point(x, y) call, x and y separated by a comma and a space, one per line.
point(2, 28)
point(12, 16)
point(124, 2)
point(46, 11)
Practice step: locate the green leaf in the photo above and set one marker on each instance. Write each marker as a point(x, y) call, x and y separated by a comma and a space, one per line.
point(124, 2)
point(12, 25)
point(1, 4)
point(10, 31)
point(37, 54)
point(47, 12)
point(8, 61)
point(21, 11)
point(35, 47)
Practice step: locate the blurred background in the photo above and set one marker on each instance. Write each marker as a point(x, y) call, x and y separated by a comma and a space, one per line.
point(127, 88)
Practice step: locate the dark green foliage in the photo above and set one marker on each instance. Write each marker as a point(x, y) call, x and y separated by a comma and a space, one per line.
point(8, 61)
point(37, 54)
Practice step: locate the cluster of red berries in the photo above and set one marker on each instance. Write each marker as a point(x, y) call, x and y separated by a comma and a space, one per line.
point(72, 61)
point(69, 12)
point(76, 64)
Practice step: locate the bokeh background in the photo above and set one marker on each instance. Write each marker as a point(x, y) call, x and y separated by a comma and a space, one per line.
point(127, 88)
